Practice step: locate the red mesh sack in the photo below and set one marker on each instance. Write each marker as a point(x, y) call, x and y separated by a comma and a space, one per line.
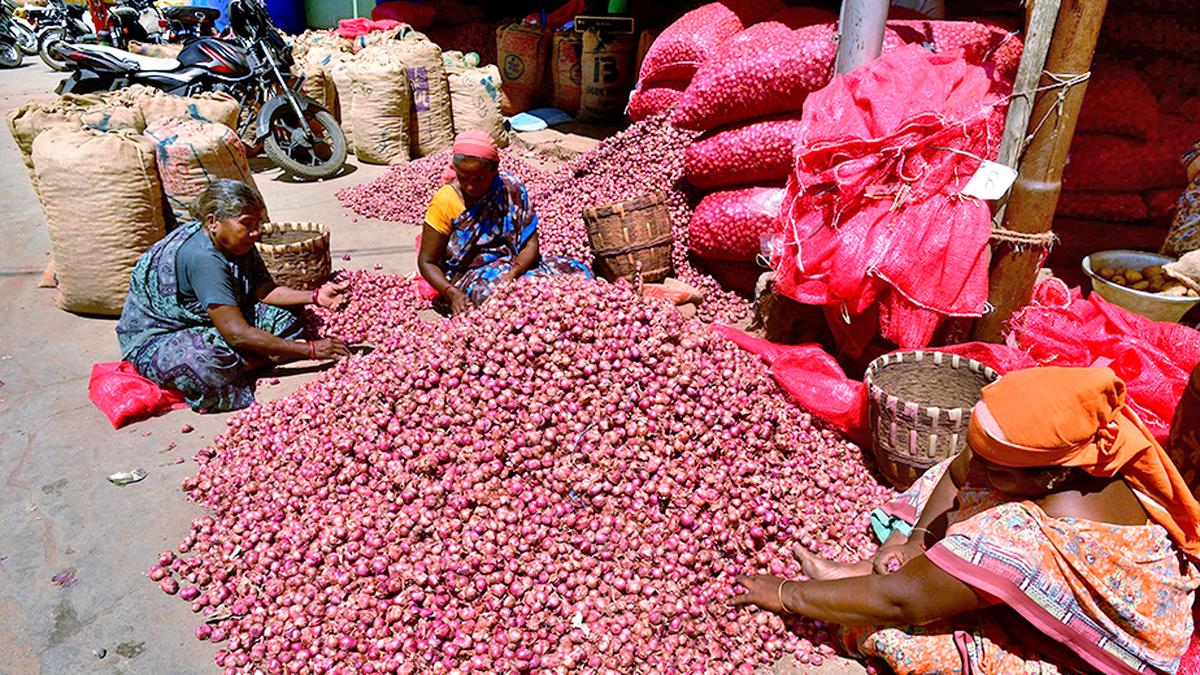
point(1184, 444)
point(1110, 163)
point(981, 42)
point(1110, 206)
point(799, 17)
point(738, 276)
point(686, 44)
point(1154, 359)
point(653, 101)
point(764, 70)
point(731, 225)
point(1160, 204)
point(124, 396)
point(874, 212)
point(418, 15)
point(814, 379)
point(759, 152)
point(1118, 101)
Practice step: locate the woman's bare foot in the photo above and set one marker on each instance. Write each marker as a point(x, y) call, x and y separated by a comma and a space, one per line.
point(820, 569)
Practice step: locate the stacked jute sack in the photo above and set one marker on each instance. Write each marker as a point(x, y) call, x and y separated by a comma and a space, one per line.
point(394, 94)
point(112, 172)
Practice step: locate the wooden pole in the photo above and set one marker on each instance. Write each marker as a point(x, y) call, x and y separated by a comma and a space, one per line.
point(1034, 197)
point(860, 33)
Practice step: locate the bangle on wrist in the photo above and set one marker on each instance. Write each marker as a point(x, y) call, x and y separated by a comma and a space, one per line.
point(316, 297)
point(921, 541)
point(312, 350)
point(779, 594)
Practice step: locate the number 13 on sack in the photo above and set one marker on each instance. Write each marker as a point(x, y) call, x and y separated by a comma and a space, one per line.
point(991, 181)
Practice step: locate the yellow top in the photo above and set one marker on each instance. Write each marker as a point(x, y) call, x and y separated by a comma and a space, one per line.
point(445, 206)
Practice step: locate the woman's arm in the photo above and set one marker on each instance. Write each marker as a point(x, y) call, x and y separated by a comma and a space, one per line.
point(327, 295)
point(525, 259)
point(246, 338)
point(931, 526)
point(430, 259)
point(919, 594)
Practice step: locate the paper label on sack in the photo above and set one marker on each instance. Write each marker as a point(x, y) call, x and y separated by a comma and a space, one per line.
point(991, 181)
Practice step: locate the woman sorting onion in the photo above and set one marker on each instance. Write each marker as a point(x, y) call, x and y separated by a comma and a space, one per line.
point(203, 313)
point(1063, 538)
point(480, 229)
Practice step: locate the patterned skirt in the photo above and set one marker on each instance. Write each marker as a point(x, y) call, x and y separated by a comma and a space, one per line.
point(200, 363)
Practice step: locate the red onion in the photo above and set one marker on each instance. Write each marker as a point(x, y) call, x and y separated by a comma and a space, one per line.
point(568, 477)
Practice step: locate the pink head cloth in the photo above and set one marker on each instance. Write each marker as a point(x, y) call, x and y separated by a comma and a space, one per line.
point(475, 143)
point(472, 143)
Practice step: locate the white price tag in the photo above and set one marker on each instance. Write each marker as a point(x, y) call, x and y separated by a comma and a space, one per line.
point(991, 181)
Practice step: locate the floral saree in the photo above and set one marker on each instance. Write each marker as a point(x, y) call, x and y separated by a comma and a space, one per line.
point(488, 235)
point(1119, 597)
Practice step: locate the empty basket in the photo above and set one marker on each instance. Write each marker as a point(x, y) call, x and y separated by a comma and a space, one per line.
point(632, 236)
point(296, 254)
point(920, 405)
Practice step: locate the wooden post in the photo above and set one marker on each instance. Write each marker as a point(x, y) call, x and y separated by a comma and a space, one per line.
point(860, 33)
point(1034, 197)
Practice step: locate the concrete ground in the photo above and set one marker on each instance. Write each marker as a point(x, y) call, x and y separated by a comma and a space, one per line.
point(74, 549)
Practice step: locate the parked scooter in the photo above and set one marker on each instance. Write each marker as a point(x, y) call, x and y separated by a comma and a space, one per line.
point(254, 66)
point(135, 20)
point(59, 24)
point(191, 23)
point(18, 28)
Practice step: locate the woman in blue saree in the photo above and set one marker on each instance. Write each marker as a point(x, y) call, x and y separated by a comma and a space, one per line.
point(481, 231)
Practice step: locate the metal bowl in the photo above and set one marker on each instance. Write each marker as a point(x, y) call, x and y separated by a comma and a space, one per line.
point(1154, 306)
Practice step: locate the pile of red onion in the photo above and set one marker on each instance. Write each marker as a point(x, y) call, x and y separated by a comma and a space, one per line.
point(647, 157)
point(567, 479)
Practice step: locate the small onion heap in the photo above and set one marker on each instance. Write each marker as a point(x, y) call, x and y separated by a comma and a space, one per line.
point(566, 479)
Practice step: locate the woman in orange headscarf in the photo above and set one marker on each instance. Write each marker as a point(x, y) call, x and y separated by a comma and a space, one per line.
point(480, 230)
point(1063, 538)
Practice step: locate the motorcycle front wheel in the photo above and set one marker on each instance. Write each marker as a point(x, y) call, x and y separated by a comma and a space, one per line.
point(50, 39)
point(10, 55)
point(287, 146)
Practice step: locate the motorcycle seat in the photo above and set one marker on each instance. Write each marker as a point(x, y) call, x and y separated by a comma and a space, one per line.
point(144, 63)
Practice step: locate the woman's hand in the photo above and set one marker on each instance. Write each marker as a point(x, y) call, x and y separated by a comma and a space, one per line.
point(762, 591)
point(333, 296)
point(459, 302)
point(892, 556)
point(329, 349)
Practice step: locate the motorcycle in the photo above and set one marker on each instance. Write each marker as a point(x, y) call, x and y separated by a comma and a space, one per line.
point(135, 20)
point(10, 52)
point(190, 23)
point(58, 24)
point(254, 66)
point(18, 28)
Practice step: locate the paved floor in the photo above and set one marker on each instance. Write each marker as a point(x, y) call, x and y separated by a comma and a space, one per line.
point(58, 514)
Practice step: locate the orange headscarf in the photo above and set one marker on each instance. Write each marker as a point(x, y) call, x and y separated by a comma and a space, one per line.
point(1077, 417)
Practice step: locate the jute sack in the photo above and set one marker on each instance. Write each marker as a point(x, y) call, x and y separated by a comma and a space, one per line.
point(26, 122)
point(190, 155)
point(102, 199)
point(319, 38)
point(522, 54)
point(379, 109)
point(339, 74)
point(608, 74)
point(478, 100)
point(156, 105)
point(318, 77)
point(566, 67)
point(431, 119)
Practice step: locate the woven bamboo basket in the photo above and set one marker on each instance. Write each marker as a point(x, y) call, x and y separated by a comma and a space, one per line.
point(920, 405)
point(630, 237)
point(296, 254)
